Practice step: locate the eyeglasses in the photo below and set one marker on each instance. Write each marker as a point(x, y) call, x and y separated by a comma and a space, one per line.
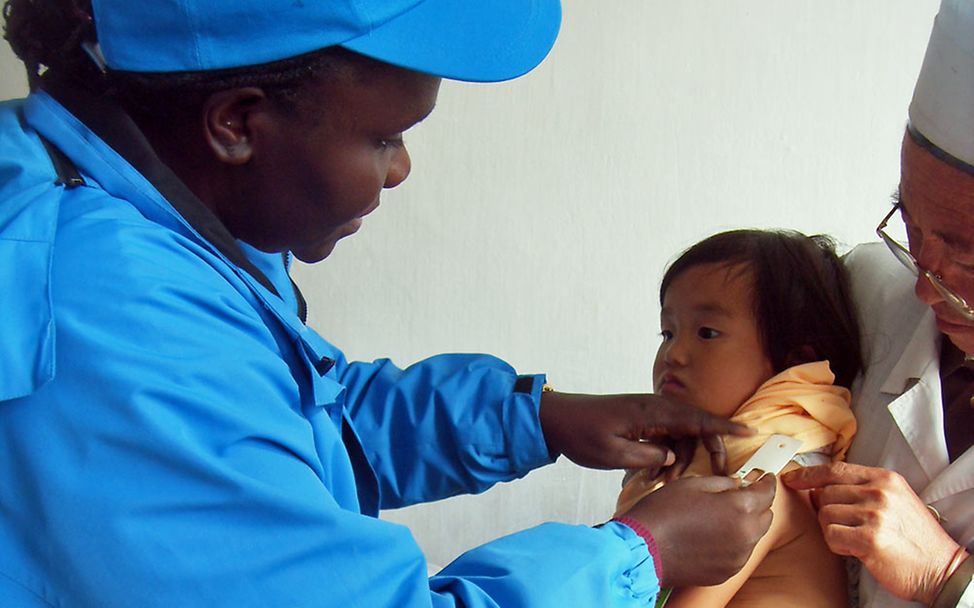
point(906, 258)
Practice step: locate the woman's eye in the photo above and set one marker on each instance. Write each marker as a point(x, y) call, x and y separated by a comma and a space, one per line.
point(708, 333)
point(666, 334)
point(395, 141)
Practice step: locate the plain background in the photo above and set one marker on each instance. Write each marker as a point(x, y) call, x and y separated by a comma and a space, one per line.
point(541, 213)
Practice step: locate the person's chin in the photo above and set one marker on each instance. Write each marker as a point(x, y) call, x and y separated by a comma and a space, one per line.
point(316, 253)
point(961, 335)
point(320, 250)
point(960, 332)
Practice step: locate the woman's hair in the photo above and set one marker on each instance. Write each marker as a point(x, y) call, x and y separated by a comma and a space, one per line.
point(802, 301)
point(51, 36)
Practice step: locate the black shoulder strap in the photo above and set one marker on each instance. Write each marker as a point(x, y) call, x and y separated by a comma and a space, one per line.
point(67, 174)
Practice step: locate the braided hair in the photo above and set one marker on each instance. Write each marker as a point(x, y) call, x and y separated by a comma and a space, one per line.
point(56, 39)
point(49, 35)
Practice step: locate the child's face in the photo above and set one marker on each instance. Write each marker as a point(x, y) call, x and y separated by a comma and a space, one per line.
point(711, 356)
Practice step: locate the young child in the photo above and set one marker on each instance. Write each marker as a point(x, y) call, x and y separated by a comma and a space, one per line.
point(758, 326)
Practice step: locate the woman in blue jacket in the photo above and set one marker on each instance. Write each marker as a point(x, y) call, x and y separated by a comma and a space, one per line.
point(172, 433)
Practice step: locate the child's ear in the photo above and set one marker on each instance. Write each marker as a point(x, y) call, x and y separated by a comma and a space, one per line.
point(802, 354)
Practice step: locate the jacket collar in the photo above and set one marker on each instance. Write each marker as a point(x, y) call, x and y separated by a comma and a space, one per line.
point(917, 409)
point(920, 358)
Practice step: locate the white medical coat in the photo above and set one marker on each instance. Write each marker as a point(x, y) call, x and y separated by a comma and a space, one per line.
point(898, 402)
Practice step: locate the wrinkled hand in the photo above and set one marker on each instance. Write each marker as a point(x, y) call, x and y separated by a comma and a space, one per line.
point(873, 514)
point(705, 527)
point(631, 431)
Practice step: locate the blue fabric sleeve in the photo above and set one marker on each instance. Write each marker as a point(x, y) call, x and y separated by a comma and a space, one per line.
point(447, 425)
point(553, 565)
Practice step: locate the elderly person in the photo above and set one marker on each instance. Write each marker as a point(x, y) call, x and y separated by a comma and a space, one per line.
point(172, 433)
point(905, 505)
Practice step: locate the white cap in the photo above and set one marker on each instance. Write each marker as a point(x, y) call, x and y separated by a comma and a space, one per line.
point(943, 101)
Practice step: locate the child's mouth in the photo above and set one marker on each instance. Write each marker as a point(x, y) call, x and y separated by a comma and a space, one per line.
point(669, 384)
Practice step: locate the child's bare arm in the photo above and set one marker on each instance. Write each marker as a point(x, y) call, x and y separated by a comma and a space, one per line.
point(718, 596)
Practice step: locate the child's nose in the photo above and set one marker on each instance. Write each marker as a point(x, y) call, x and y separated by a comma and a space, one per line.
point(676, 352)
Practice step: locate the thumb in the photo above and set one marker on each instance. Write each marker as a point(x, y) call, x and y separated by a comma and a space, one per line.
point(644, 455)
point(712, 484)
point(807, 478)
point(763, 490)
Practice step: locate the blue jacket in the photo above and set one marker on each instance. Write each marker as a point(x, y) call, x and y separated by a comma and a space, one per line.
point(172, 433)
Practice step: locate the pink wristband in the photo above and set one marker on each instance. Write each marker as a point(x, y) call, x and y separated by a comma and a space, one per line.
point(647, 536)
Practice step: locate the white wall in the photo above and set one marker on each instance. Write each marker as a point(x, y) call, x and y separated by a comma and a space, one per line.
point(541, 213)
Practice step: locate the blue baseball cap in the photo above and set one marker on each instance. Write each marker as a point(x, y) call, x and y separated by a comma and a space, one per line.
point(474, 40)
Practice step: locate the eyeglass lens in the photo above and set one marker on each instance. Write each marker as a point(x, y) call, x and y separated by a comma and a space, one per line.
point(904, 256)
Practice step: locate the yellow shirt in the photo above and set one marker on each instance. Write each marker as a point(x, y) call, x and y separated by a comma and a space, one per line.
point(800, 402)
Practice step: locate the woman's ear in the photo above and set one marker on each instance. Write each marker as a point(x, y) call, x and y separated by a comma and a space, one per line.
point(802, 354)
point(227, 123)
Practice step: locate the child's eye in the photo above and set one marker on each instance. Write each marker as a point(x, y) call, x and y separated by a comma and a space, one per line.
point(708, 333)
point(666, 335)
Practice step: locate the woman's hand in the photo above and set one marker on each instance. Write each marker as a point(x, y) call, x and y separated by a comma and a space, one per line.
point(873, 515)
point(705, 527)
point(631, 431)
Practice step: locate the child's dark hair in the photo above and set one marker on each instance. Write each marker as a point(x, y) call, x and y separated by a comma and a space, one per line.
point(802, 301)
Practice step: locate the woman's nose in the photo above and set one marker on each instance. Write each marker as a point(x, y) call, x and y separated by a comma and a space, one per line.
point(398, 168)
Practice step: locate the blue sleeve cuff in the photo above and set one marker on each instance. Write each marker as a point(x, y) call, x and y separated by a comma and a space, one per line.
point(554, 565)
point(527, 446)
point(641, 578)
